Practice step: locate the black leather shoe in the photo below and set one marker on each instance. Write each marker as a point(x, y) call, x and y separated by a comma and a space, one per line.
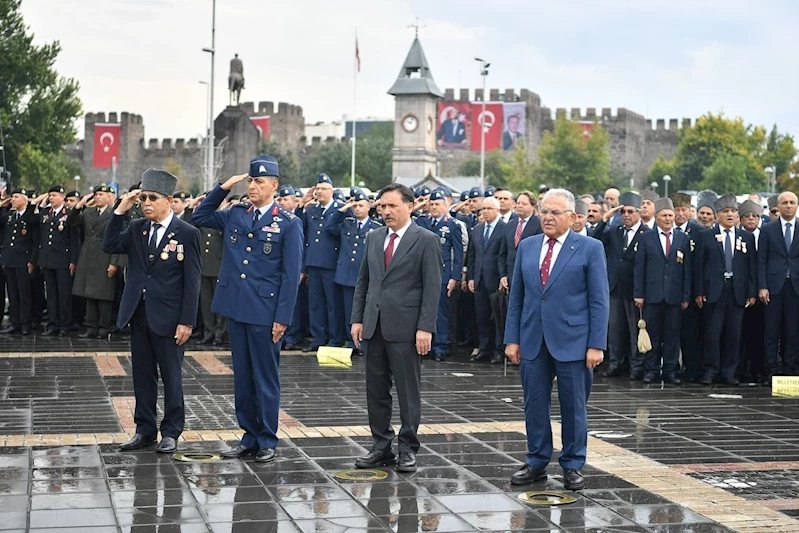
point(309, 349)
point(26, 330)
point(733, 382)
point(612, 372)
point(208, 339)
point(265, 455)
point(219, 341)
point(102, 334)
point(497, 359)
point(706, 380)
point(650, 377)
point(636, 375)
point(50, 332)
point(573, 479)
point(481, 356)
point(439, 357)
point(290, 346)
point(376, 458)
point(407, 462)
point(167, 445)
point(138, 441)
point(196, 334)
point(237, 451)
point(62, 333)
point(527, 474)
point(88, 334)
point(766, 382)
point(672, 379)
point(10, 330)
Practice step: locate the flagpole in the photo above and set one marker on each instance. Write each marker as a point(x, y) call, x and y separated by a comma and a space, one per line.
point(354, 107)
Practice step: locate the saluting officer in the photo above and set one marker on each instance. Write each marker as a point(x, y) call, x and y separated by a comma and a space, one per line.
point(71, 200)
point(449, 235)
point(179, 207)
point(352, 231)
point(257, 291)
point(289, 199)
point(59, 245)
point(18, 256)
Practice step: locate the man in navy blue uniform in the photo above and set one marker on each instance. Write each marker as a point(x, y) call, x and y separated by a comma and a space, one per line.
point(19, 255)
point(257, 291)
point(321, 255)
point(662, 287)
point(160, 302)
point(449, 235)
point(351, 224)
point(289, 199)
point(725, 283)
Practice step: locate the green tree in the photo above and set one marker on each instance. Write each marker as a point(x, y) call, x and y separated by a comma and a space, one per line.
point(37, 106)
point(334, 159)
point(40, 170)
point(779, 153)
point(566, 158)
point(496, 168)
point(661, 167)
point(373, 156)
point(728, 173)
point(520, 172)
point(286, 162)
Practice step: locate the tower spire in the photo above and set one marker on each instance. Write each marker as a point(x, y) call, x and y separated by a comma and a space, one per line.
point(415, 76)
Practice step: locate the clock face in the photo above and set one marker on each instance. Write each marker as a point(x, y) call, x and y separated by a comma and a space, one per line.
point(410, 123)
point(429, 124)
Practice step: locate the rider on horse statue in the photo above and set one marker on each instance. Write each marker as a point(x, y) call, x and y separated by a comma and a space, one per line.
point(235, 80)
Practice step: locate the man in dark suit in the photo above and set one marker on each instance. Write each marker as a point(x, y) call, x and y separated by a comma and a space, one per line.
point(511, 138)
point(725, 283)
point(394, 316)
point(483, 276)
point(778, 282)
point(257, 291)
point(159, 301)
point(557, 326)
point(453, 130)
point(662, 287)
point(751, 364)
point(513, 235)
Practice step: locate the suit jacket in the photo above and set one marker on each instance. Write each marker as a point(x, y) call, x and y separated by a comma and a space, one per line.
point(775, 260)
point(621, 259)
point(172, 285)
point(403, 297)
point(658, 278)
point(571, 313)
point(507, 140)
point(709, 265)
point(507, 249)
point(483, 262)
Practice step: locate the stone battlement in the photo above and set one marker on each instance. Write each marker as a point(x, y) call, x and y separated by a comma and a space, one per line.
point(113, 118)
point(268, 108)
point(167, 145)
point(606, 115)
point(317, 141)
point(494, 95)
point(674, 124)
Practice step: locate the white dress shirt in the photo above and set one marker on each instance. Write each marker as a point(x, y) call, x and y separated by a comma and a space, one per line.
point(793, 227)
point(662, 235)
point(583, 232)
point(724, 239)
point(400, 232)
point(555, 251)
point(631, 233)
point(162, 230)
point(651, 223)
point(505, 218)
point(491, 227)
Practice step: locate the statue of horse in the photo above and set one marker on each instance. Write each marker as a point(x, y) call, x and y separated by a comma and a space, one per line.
point(235, 81)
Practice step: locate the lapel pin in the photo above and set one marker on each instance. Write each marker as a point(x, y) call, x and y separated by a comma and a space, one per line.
point(572, 247)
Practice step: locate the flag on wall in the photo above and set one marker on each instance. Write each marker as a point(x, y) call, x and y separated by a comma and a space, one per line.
point(262, 123)
point(106, 144)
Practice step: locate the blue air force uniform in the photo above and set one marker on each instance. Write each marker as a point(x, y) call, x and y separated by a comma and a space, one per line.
point(298, 329)
point(257, 286)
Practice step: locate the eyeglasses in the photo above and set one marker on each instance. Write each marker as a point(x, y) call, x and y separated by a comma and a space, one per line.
point(628, 211)
point(751, 215)
point(152, 197)
point(554, 212)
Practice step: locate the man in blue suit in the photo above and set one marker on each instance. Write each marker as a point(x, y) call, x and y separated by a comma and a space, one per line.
point(257, 291)
point(725, 283)
point(160, 302)
point(557, 326)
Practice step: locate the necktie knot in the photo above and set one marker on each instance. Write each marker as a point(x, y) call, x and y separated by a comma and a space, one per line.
point(667, 233)
point(256, 216)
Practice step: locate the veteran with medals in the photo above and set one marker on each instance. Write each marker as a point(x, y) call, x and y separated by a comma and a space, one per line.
point(159, 301)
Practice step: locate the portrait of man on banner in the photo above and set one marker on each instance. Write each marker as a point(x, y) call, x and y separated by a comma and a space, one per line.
point(453, 131)
point(513, 133)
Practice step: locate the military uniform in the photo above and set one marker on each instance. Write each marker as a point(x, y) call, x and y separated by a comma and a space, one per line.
point(78, 302)
point(212, 244)
point(19, 249)
point(299, 329)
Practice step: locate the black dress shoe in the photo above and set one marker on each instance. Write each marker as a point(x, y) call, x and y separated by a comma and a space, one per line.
point(10, 330)
point(481, 356)
point(406, 462)
point(573, 479)
point(50, 332)
point(62, 333)
point(208, 339)
point(706, 380)
point(138, 441)
point(497, 359)
point(218, 341)
point(167, 445)
point(237, 451)
point(26, 330)
point(309, 349)
point(265, 455)
point(636, 375)
point(733, 382)
point(196, 334)
point(88, 334)
point(612, 372)
point(376, 458)
point(527, 474)
point(290, 346)
point(766, 382)
point(439, 357)
point(672, 379)
point(650, 377)
point(102, 334)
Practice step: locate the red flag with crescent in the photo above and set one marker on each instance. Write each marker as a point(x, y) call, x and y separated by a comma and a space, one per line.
point(107, 138)
point(262, 123)
point(492, 122)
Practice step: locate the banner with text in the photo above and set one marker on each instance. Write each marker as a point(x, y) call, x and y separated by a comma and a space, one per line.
point(106, 144)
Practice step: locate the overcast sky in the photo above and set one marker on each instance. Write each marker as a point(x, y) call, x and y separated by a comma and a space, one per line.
point(661, 58)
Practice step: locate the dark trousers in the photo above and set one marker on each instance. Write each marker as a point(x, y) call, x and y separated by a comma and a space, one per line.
point(623, 334)
point(19, 296)
point(213, 323)
point(151, 355)
point(298, 329)
point(58, 283)
point(466, 317)
point(485, 323)
point(663, 326)
point(691, 340)
point(38, 300)
point(78, 310)
point(98, 314)
point(327, 324)
point(256, 375)
point(574, 387)
point(441, 336)
point(753, 332)
point(347, 294)
point(452, 306)
point(782, 315)
point(499, 311)
point(399, 360)
point(723, 320)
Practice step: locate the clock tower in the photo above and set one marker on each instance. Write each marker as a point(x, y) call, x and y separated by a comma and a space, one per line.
point(416, 97)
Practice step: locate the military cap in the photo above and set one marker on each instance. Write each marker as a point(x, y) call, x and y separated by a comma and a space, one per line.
point(464, 196)
point(773, 201)
point(727, 201)
point(680, 199)
point(298, 193)
point(436, 195)
point(324, 178)
point(56, 188)
point(707, 199)
point(542, 188)
point(424, 190)
point(264, 166)
point(32, 193)
point(490, 190)
point(664, 203)
point(159, 181)
point(354, 190)
point(652, 196)
point(358, 196)
point(581, 208)
point(182, 195)
point(72, 194)
point(23, 191)
point(131, 188)
point(103, 188)
point(475, 192)
point(630, 198)
point(338, 195)
point(749, 206)
point(446, 191)
point(286, 190)
point(234, 198)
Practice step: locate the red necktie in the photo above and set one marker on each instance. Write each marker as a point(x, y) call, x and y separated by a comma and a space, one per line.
point(518, 236)
point(668, 243)
point(546, 264)
point(389, 253)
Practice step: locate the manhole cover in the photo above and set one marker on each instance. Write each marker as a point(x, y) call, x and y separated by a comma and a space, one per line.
point(546, 498)
point(360, 475)
point(197, 457)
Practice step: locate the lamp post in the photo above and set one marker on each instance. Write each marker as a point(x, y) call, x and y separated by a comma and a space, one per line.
point(484, 73)
point(207, 178)
point(666, 180)
point(77, 181)
point(654, 186)
point(772, 182)
point(212, 51)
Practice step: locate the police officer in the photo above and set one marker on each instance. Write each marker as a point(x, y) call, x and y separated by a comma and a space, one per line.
point(59, 245)
point(18, 255)
point(351, 224)
point(289, 199)
point(449, 234)
point(257, 291)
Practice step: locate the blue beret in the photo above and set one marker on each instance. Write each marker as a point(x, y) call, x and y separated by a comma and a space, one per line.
point(436, 195)
point(264, 166)
point(446, 191)
point(490, 190)
point(287, 190)
point(324, 178)
point(358, 196)
point(338, 195)
point(424, 190)
point(464, 196)
point(354, 191)
point(417, 192)
point(298, 193)
point(475, 192)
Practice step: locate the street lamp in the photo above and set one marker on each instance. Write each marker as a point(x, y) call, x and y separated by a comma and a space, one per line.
point(484, 73)
point(211, 51)
point(654, 186)
point(772, 182)
point(207, 180)
point(666, 180)
point(77, 179)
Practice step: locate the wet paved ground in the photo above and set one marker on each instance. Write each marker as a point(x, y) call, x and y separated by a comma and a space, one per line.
point(53, 390)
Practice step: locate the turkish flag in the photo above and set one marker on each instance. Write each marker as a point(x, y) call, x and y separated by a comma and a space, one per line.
point(586, 128)
point(262, 123)
point(106, 144)
point(493, 123)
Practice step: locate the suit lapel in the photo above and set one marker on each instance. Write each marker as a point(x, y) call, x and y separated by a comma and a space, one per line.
point(566, 252)
point(407, 240)
point(380, 237)
point(720, 242)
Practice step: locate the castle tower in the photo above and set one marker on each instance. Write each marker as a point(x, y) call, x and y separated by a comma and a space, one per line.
point(415, 95)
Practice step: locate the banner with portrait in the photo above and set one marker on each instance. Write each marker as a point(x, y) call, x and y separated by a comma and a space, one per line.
point(513, 130)
point(454, 125)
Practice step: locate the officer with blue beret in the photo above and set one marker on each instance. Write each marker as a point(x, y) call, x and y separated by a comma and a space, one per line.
point(490, 190)
point(257, 291)
point(289, 199)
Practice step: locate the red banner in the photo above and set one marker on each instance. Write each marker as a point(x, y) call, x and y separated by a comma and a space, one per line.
point(106, 144)
point(587, 129)
point(493, 123)
point(454, 124)
point(262, 123)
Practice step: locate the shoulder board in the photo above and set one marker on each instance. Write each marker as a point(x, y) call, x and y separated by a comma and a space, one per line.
point(350, 218)
point(286, 213)
point(377, 223)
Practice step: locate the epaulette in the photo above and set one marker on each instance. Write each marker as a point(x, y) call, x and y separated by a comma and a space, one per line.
point(288, 214)
point(350, 218)
point(377, 222)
